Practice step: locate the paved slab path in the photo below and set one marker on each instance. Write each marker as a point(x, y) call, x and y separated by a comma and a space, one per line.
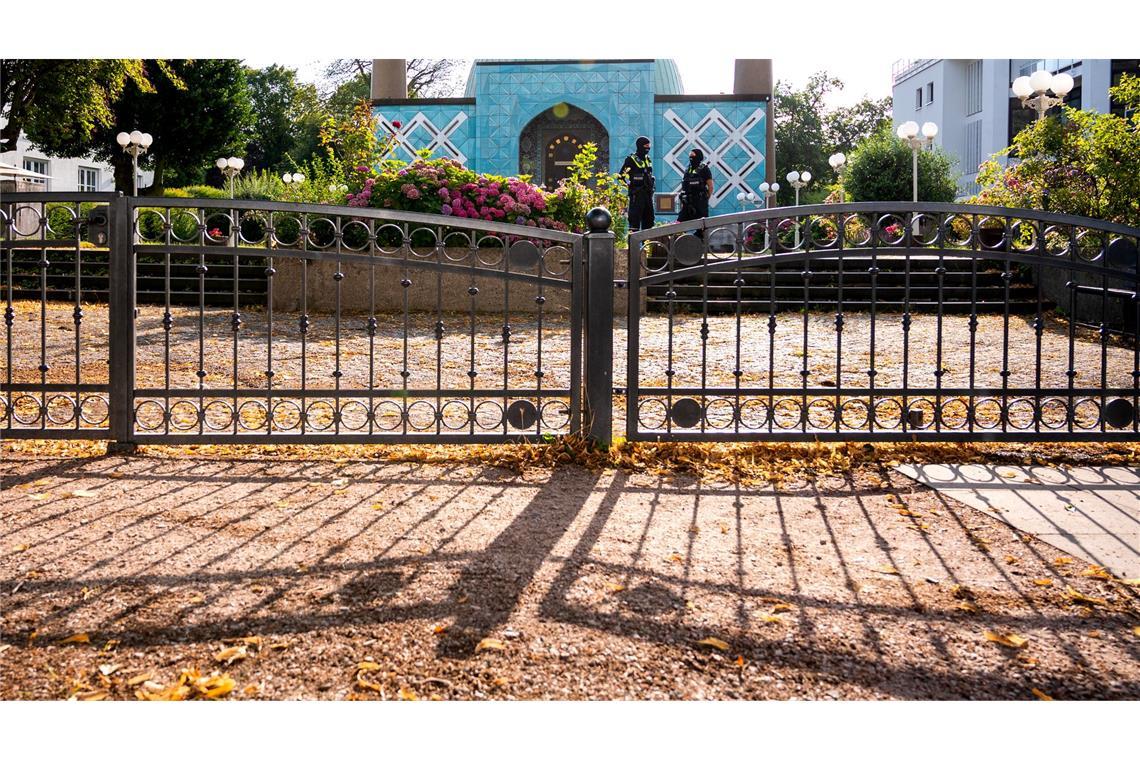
point(1090, 512)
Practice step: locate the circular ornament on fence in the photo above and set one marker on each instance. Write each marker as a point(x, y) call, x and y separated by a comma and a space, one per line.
point(688, 250)
point(1122, 253)
point(1119, 413)
point(685, 413)
point(522, 415)
point(523, 254)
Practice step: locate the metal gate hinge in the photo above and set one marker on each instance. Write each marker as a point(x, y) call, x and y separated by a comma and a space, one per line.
point(619, 391)
point(619, 284)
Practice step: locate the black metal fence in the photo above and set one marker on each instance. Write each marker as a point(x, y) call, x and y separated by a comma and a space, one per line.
point(181, 320)
point(870, 354)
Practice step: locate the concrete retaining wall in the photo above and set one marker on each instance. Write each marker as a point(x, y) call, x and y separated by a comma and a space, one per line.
point(422, 293)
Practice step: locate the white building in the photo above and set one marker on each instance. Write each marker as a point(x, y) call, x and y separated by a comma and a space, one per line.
point(85, 175)
point(975, 109)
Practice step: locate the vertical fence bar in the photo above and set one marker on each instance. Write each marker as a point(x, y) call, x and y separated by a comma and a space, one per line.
point(121, 318)
point(600, 328)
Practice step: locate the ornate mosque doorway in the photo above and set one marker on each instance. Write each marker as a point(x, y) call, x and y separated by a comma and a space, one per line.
point(548, 144)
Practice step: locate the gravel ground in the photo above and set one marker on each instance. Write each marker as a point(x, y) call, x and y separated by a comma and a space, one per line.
point(364, 580)
point(458, 354)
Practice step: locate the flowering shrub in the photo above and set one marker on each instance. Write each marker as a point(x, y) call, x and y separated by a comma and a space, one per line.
point(444, 186)
point(1082, 164)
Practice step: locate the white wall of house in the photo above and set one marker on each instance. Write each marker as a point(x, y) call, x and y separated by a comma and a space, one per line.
point(971, 103)
point(67, 173)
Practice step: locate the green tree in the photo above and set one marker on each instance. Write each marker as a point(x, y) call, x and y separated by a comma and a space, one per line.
point(191, 125)
point(880, 169)
point(801, 136)
point(59, 104)
point(848, 126)
point(1084, 163)
point(286, 119)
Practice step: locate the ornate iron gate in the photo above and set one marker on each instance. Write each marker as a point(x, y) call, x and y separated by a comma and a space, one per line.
point(274, 322)
point(811, 324)
point(360, 325)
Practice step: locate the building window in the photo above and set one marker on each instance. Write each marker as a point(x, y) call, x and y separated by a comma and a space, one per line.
point(918, 98)
point(88, 180)
point(929, 92)
point(973, 88)
point(37, 165)
point(973, 156)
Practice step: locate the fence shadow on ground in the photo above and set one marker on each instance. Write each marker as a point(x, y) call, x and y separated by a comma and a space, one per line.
point(834, 581)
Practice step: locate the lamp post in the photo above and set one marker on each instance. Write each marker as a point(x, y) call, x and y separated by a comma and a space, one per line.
point(135, 143)
point(908, 132)
point(769, 192)
point(798, 180)
point(230, 167)
point(1033, 88)
point(838, 162)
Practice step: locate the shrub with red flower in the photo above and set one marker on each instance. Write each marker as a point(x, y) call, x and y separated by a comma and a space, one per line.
point(444, 186)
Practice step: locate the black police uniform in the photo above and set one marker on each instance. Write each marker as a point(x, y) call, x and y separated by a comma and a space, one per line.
point(695, 190)
point(638, 170)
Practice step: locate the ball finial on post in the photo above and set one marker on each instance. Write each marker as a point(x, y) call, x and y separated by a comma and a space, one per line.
point(598, 219)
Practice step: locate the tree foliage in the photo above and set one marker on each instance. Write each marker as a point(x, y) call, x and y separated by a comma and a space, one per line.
point(287, 116)
point(807, 133)
point(1084, 163)
point(192, 125)
point(59, 104)
point(881, 169)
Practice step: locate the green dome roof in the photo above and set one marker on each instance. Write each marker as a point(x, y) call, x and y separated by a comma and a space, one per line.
point(666, 77)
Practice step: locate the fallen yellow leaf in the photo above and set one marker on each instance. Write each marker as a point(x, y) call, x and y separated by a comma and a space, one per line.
point(1012, 640)
point(251, 690)
point(770, 619)
point(615, 588)
point(231, 655)
point(108, 668)
point(490, 644)
point(1136, 630)
point(714, 643)
point(967, 606)
point(38, 496)
point(1041, 695)
point(1131, 581)
point(142, 677)
point(782, 607)
point(1076, 596)
point(740, 661)
point(675, 557)
point(440, 629)
point(366, 666)
point(1096, 571)
point(20, 548)
point(97, 695)
point(1063, 561)
point(1042, 581)
point(77, 638)
point(1010, 559)
point(886, 570)
point(377, 506)
point(407, 694)
point(84, 494)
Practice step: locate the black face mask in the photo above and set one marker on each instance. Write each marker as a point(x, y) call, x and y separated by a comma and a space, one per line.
point(642, 151)
point(695, 158)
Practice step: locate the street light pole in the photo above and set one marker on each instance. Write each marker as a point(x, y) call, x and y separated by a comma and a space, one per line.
point(798, 180)
point(1033, 88)
point(135, 143)
point(230, 167)
point(838, 162)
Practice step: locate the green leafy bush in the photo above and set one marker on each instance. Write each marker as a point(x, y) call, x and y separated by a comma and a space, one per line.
point(880, 169)
point(1084, 163)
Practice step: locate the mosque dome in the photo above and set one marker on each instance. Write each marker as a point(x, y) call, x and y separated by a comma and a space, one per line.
point(666, 77)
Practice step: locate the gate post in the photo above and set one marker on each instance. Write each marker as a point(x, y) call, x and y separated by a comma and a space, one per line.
point(121, 317)
point(599, 328)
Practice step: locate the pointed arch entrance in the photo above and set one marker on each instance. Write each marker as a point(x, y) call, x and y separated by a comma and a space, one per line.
point(549, 142)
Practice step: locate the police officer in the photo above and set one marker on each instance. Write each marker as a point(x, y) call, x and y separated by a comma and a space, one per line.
point(696, 187)
point(638, 173)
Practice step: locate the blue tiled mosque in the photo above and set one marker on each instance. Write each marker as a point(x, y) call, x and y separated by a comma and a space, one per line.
point(530, 117)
